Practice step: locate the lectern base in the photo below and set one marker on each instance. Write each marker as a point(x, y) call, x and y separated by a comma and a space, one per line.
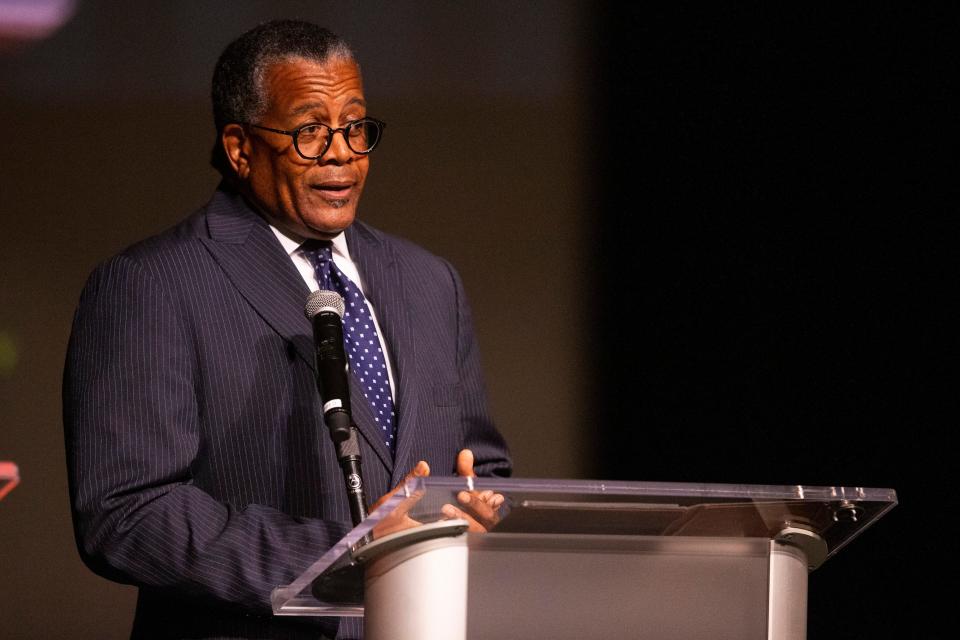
point(418, 592)
point(558, 587)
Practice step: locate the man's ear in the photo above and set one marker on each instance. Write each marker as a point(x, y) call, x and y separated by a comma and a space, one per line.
point(236, 144)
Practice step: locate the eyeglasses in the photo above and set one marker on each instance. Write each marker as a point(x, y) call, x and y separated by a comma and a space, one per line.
point(312, 140)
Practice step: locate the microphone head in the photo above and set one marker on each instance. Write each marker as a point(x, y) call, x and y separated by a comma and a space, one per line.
point(323, 300)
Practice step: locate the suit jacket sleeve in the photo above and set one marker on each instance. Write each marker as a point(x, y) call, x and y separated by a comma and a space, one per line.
point(131, 425)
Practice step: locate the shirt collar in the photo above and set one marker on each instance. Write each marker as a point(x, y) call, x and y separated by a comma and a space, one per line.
point(291, 242)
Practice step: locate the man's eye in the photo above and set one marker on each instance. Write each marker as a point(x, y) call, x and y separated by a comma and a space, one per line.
point(311, 131)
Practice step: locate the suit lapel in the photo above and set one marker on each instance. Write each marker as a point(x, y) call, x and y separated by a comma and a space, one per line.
point(248, 252)
point(383, 285)
point(362, 414)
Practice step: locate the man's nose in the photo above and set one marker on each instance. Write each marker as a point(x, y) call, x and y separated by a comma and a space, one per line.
point(339, 151)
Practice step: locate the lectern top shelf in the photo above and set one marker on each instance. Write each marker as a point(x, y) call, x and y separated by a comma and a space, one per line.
point(578, 508)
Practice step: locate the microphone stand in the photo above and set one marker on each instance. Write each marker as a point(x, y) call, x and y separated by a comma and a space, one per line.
point(348, 454)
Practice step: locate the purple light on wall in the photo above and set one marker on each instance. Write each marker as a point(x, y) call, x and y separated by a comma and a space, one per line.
point(27, 20)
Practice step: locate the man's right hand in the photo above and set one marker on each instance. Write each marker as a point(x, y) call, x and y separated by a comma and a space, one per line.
point(398, 520)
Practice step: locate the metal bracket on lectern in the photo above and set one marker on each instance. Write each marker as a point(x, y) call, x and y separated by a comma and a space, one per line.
point(813, 546)
point(343, 581)
point(441, 529)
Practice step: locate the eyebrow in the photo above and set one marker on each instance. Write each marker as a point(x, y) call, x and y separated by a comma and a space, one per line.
point(310, 106)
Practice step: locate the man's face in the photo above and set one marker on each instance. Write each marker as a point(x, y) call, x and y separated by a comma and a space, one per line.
point(312, 198)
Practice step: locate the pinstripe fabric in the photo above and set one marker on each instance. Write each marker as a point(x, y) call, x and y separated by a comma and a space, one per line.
point(198, 466)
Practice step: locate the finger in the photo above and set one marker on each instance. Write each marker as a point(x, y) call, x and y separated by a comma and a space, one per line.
point(452, 512)
point(465, 463)
point(420, 470)
point(486, 503)
point(478, 508)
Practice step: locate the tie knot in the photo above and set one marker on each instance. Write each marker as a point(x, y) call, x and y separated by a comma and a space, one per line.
point(317, 248)
point(320, 256)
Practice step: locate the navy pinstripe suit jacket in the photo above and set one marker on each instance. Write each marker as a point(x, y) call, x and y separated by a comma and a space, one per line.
point(199, 467)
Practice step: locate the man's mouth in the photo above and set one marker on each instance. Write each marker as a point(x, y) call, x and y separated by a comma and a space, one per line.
point(334, 190)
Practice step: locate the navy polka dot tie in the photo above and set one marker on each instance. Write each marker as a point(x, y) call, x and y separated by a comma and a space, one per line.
point(360, 339)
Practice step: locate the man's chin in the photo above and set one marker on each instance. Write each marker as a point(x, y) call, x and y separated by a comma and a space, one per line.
point(331, 222)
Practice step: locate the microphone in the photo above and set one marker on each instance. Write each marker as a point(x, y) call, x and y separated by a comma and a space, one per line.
point(325, 310)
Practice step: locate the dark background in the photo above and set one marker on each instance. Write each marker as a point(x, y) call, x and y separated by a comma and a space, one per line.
point(703, 243)
point(777, 257)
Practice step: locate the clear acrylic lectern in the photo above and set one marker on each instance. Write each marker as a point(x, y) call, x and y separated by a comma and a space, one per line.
point(586, 559)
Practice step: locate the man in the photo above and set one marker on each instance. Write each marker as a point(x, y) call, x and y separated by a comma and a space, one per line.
point(199, 467)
